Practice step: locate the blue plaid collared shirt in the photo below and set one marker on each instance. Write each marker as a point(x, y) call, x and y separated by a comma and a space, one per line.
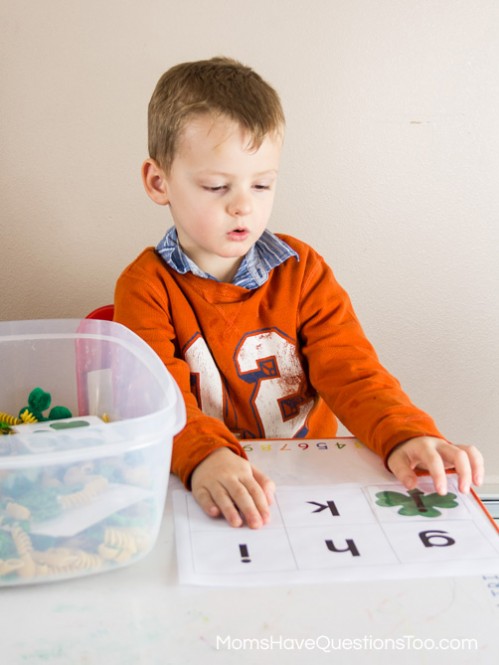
point(268, 252)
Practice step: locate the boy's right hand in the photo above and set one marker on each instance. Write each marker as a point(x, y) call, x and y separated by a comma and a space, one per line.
point(226, 484)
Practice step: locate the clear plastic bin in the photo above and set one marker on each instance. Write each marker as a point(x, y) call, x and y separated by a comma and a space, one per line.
point(85, 493)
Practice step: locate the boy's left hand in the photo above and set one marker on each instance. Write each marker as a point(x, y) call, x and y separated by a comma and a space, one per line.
point(435, 455)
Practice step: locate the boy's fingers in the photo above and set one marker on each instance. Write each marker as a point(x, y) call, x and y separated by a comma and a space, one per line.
point(259, 501)
point(251, 502)
point(436, 468)
point(247, 497)
point(476, 462)
point(229, 511)
point(235, 503)
point(400, 465)
point(403, 461)
point(267, 485)
point(477, 465)
point(404, 474)
point(203, 497)
point(227, 484)
point(456, 457)
point(218, 502)
point(435, 458)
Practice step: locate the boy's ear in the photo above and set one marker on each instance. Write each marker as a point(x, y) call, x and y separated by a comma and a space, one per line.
point(154, 181)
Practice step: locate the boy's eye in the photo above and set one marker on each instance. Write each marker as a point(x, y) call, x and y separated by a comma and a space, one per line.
point(214, 188)
point(259, 187)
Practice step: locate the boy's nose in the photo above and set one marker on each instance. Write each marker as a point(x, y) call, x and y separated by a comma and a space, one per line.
point(240, 204)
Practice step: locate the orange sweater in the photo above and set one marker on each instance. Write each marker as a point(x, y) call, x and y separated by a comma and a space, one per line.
point(277, 362)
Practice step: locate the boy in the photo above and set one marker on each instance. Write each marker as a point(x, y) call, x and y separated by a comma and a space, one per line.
point(260, 337)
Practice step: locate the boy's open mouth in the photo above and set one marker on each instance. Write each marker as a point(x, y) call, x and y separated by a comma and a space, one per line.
point(238, 234)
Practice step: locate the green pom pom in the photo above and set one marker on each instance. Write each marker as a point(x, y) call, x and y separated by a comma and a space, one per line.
point(39, 400)
point(59, 412)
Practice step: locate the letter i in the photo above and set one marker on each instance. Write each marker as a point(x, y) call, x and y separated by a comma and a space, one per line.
point(245, 558)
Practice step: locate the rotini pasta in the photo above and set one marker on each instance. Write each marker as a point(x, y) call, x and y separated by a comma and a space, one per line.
point(107, 553)
point(55, 556)
point(87, 560)
point(22, 541)
point(79, 474)
point(140, 476)
point(84, 496)
point(8, 566)
point(122, 539)
point(28, 568)
point(8, 419)
point(17, 511)
point(61, 560)
point(35, 504)
point(121, 544)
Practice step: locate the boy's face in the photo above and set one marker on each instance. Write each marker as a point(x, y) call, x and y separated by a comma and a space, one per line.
point(220, 192)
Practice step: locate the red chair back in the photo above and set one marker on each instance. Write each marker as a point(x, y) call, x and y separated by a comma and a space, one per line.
point(104, 313)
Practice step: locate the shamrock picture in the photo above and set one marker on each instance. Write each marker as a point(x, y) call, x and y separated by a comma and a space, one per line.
point(416, 502)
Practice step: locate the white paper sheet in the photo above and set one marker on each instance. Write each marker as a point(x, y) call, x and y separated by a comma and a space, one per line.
point(338, 531)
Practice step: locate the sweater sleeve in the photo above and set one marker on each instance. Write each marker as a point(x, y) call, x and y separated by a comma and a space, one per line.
point(345, 370)
point(143, 305)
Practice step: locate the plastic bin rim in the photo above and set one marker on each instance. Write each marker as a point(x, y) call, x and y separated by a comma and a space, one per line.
point(82, 453)
point(127, 338)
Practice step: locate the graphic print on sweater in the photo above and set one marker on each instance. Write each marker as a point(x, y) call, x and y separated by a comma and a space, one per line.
point(267, 361)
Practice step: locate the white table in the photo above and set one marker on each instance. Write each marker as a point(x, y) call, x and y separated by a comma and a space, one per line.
point(140, 615)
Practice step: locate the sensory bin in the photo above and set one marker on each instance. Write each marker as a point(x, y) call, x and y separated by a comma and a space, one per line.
point(88, 413)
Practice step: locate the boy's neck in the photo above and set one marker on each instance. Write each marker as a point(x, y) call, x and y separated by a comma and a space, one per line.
point(222, 269)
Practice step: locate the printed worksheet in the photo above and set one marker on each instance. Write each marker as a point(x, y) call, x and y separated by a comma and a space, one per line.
point(372, 529)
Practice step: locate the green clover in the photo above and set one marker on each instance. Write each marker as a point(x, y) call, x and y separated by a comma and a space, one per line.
point(415, 502)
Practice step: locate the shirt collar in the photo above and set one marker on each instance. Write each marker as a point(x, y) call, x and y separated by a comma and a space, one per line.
point(267, 253)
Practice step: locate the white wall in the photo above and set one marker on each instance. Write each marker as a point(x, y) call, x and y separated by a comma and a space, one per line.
point(390, 164)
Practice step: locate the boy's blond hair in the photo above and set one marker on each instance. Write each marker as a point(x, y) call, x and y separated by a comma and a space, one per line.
point(220, 86)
